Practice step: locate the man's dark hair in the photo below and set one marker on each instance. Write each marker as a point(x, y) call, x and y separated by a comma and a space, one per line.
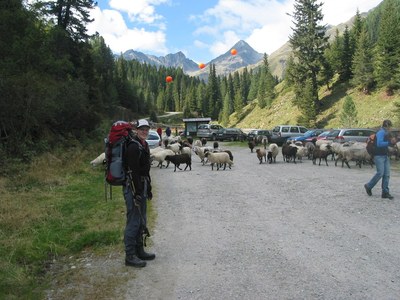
point(387, 123)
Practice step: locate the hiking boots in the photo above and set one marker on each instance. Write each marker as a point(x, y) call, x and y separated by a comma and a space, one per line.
point(134, 261)
point(387, 196)
point(368, 190)
point(143, 254)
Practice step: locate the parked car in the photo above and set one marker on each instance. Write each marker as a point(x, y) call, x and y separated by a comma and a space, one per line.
point(208, 131)
point(282, 132)
point(307, 137)
point(255, 133)
point(231, 134)
point(323, 135)
point(350, 134)
point(153, 139)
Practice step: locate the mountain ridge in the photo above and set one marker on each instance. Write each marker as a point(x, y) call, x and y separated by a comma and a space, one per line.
point(227, 63)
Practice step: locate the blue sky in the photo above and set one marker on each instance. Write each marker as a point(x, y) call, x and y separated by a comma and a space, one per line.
point(205, 29)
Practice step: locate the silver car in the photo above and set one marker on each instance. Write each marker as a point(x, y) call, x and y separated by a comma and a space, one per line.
point(343, 135)
point(153, 139)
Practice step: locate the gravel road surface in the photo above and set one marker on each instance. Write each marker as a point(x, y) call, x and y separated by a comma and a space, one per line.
point(263, 231)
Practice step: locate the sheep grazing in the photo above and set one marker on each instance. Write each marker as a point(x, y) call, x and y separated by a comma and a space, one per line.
point(289, 152)
point(251, 144)
point(160, 157)
point(218, 158)
point(101, 159)
point(273, 151)
point(180, 159)
point(261, 153)
point(203, 141)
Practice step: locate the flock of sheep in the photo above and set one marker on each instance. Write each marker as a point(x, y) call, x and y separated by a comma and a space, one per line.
point(178, 152)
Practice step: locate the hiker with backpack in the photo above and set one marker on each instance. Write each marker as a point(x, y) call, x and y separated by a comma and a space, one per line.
point(137, 191)
point(381, 160)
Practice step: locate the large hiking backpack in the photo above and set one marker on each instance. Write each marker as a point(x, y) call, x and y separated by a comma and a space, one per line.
point(371, 144)
point(115, 146)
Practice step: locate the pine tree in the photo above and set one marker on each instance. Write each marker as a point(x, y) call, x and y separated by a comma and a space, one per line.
point(348, 116)
point(388, 47)
point(308, 42)
point(346, 57)
point(69, 15)
point(363, 69)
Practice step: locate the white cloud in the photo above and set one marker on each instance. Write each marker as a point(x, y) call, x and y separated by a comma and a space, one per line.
point(265, 25)
point(138, 10)
point(112, 27)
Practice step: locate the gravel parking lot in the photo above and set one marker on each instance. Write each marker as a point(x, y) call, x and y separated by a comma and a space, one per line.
point(269, 231)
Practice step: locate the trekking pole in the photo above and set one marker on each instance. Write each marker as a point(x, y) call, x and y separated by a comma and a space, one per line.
point(136, 203)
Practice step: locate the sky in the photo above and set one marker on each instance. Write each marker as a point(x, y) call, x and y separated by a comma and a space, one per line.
point(205, 29)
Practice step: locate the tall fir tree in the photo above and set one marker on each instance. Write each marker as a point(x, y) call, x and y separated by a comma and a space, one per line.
point(346, 57)
point(363, 68)
point(388, 47)
point(308, 42)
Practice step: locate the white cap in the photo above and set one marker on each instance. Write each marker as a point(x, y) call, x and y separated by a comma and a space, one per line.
point(143, 122)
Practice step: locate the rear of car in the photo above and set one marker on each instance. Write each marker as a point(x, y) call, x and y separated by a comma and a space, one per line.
point(350, 134)
point(208, 131)
point(153, 139)
point(309, 136)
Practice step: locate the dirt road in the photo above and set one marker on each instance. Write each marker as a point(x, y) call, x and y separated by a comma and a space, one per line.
point(279, 231)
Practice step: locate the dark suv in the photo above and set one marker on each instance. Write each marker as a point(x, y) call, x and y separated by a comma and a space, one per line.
point(231, 134)
point(259, 133)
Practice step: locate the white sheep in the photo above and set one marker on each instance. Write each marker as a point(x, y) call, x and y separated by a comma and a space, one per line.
point(200, 152)
point(155, 150)
point(160, 157)
point(176, 148)
point(353, 151)
point(273, 151)
point(301, 152)
point(218, 158)
point(186, 150)
point(197, 143)
point(98, 160)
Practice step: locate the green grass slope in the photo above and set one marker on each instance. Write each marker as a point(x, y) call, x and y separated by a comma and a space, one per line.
point(371, 109)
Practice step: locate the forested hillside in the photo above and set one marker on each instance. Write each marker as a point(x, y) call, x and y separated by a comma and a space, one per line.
point(58, 84)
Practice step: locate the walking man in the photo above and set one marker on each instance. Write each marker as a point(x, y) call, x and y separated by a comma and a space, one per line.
point(136, 192)
point(382, 161)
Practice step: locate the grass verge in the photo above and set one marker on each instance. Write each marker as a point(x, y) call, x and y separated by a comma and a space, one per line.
point(54, 207)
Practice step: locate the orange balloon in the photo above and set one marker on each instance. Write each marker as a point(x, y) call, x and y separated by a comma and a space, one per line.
point(168, 78)
point(201, 65)
point(233, 52)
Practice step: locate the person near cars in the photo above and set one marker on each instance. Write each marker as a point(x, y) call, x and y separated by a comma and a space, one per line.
point(382, 161)
point(168, 132)
point(159, 131)
point(137, 191)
